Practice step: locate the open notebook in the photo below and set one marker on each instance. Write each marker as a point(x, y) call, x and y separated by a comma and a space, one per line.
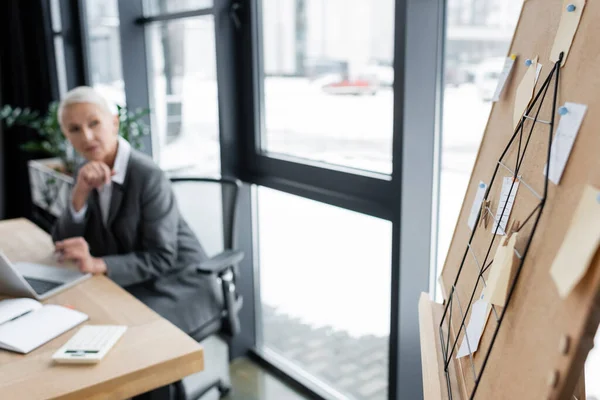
point(26, 324)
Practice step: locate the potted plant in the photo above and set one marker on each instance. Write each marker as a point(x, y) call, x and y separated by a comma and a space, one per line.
point(51, 178)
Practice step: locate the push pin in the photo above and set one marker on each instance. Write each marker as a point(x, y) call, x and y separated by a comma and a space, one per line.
point(598, 198)
point(565, 344)
point(528, 62)
point(482, 185)
point(553, 379)
point(571, 7)
point(563, 110)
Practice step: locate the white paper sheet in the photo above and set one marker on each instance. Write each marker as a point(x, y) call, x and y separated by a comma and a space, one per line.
point(38, 327)
point(476, 207)
point(507, 196)
point(12, 308)
point(537, 72)
point(566, 133)
point(479, 315)
point(508, 65)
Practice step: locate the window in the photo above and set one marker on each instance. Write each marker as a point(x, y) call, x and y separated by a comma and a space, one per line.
point(59, 47)
point(327, 81)
point(104, 49)
point(325, 291)
point(478, 36)
point(61, 71)
point(182, 69)
point(309, 85)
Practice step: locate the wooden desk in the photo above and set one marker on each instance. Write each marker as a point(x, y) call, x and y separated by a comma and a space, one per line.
point(152, 353)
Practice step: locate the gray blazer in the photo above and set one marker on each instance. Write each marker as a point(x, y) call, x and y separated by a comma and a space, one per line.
point(148, 247)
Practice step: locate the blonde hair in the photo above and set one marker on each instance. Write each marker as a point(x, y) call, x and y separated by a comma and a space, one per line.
point(85, 94)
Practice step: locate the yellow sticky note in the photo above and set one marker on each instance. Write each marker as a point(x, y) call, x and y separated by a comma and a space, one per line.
point(569, 22)
point(579, 245)
point(501, 270)
point(525, 92)
point(487, 316)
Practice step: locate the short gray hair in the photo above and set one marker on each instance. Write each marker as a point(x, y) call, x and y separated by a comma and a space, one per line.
point(85, 94)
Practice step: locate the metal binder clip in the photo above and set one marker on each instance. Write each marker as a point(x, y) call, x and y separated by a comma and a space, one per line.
point(483, 216)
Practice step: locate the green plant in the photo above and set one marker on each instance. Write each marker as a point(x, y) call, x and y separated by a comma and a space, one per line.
point(51, 139)
point(132, 126)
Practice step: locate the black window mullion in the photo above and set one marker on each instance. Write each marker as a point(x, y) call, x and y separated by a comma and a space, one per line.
point(135, 60)
point(175, 15)
point(75, 62)
point(365, 194)
point(226, 37)
point(51, 53)
point(85, 41)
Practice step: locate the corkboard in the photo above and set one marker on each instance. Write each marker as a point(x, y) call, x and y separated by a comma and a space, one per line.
point(527, 351)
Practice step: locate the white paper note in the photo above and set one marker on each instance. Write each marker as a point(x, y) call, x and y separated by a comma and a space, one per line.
point(508, 65)
point(474, 331)
point(507, 197)
point(566, 133)
point(537, 72)
point(476, 207)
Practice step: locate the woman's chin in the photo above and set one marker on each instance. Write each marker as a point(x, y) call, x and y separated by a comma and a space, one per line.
point(94, 155)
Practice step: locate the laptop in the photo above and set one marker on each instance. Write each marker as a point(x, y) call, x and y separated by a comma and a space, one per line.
point(24, 279)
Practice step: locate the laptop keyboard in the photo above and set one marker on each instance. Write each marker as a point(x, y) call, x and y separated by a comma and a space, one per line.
point(40, 286)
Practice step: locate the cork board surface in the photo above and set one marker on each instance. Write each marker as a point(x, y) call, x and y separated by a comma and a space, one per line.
point(527, 351)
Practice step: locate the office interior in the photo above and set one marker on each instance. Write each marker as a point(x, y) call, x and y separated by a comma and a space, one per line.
point(351, 127)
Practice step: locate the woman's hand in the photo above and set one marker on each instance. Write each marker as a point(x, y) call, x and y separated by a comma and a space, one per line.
point(92, 175)
point(77, 250)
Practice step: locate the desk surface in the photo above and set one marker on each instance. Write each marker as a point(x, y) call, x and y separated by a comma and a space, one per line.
point(152, 353)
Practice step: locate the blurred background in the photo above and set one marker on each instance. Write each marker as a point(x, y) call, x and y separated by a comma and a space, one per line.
point(324, 84)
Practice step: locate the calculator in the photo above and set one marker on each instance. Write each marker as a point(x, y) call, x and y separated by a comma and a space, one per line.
point(90, 344)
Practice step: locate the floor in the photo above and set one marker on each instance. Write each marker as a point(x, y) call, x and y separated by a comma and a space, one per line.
point(251, 382)
point(354, 365)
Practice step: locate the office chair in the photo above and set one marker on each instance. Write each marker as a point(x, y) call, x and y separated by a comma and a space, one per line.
point(209, 207)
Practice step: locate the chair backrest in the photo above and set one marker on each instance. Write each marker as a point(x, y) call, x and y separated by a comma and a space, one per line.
point(209, 207)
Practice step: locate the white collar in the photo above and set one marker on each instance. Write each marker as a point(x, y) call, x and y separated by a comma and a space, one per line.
point(121, 161)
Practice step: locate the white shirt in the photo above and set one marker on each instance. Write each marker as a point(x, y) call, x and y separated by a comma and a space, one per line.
point(105, 192)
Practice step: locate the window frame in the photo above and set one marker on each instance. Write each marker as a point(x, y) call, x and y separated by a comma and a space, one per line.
point(72, 34)
point(399, 198)
point(362, 191)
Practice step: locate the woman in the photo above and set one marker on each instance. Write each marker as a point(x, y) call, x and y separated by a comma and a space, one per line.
point(123, 219)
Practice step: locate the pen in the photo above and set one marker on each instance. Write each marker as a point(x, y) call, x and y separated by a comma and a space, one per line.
point(17, 317)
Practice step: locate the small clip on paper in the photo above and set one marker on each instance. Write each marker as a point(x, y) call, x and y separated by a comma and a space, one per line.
point(483, 217)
